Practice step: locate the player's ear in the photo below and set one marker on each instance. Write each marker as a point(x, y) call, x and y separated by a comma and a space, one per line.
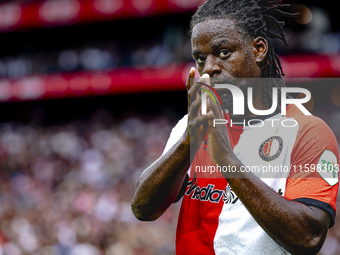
point(260, 46)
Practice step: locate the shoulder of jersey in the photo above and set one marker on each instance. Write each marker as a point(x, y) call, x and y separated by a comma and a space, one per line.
point(306, 121)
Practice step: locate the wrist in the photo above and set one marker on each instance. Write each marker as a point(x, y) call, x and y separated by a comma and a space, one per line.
point(226, 159)
point(189, 142)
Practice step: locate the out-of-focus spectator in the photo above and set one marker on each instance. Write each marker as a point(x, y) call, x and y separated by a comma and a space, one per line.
point(67, 189)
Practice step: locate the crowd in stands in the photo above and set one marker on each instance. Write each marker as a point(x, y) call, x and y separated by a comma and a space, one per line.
point(66, 190)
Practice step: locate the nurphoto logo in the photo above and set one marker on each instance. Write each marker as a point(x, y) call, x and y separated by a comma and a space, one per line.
point(238, 104)
point(238, 100)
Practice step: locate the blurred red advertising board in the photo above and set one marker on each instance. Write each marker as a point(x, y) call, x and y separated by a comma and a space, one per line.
point(118, 81)
point(34, 14)
point(143, 80)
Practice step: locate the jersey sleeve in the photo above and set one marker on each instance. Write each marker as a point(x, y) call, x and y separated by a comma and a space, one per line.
point(176, 133)
point(313, 178)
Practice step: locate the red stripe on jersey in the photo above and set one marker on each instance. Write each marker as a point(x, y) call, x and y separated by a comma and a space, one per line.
point(198, 222)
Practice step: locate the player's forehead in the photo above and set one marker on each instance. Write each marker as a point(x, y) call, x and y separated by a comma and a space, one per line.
point(210, 31)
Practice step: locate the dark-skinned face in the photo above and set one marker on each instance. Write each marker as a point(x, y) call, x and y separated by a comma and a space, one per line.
point(223, 51)
point(220, 49)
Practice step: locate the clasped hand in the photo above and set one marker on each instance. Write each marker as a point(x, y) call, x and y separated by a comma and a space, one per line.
point(203, 126)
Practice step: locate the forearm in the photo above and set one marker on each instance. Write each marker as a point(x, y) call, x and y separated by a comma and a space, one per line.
point(159, 184)
point(293, 225)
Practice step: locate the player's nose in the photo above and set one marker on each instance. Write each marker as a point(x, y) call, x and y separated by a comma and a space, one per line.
point(211, 66)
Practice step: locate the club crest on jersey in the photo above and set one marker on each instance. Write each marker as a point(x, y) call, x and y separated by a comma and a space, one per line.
point(210, 194)
point(271, 148)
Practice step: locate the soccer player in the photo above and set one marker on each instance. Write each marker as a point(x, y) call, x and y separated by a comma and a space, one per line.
point(242, 213)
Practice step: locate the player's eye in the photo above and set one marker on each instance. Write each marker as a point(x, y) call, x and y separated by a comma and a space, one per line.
point(200, 60)
point(224, 53)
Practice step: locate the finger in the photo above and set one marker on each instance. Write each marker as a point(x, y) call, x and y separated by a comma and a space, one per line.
point(213, 103)
point(210, 125)
point(210, 111)
point(191, 77)
point(192, 93)
point(194, 90)
point(189, 83)
point(205, 79)
point(195, 123)
point(194, 107)
point(215, 108)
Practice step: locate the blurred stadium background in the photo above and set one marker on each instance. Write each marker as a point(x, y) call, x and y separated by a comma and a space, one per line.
point(75, 132)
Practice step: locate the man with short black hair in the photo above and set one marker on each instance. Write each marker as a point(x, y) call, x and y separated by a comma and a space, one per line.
point(239, 212)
